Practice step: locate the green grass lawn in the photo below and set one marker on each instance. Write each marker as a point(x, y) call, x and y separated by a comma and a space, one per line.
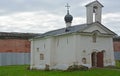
point(22, 71)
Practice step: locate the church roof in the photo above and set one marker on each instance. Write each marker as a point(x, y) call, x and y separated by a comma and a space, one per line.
point(71, 29)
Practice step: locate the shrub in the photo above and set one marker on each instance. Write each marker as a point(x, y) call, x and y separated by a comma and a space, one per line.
point(47, 67)
point(28, 68)
point(77, 67)
point(84, 68)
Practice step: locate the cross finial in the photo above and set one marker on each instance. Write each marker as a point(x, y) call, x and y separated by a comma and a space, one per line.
point(67, 8)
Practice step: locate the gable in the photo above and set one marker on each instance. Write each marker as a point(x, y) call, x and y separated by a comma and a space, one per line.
point(99, 27)
point(93, 28)
point(94, 3)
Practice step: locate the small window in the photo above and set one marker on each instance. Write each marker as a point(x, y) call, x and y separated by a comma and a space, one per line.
point(84, 60)
point(37, 49)
point(41, 56)
point(94, 38)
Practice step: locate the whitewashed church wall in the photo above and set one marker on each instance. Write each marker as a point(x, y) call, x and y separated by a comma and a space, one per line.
point(101, 44)
point(46, 47)
point(49, 51)
point(37, 48)
point(89, 15)
point(32, 59)
point(62, 51)
point(41, 44)
point(52, 51)
point(65, 50)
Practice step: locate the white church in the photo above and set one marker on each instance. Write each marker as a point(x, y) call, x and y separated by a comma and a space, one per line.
point(89, 44)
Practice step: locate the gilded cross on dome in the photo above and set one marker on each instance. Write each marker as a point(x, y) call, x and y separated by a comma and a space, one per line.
point(67, 6)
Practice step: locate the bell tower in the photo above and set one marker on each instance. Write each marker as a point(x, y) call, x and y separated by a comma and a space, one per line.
point(94, 11)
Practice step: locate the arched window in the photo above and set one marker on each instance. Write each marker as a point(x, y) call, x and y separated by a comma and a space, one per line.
point(95, 9)
point(94, 37)
point(84, 60)
point(94, 12)
point(41, 56)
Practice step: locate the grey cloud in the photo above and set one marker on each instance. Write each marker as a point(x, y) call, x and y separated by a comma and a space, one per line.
point(56, 7)
point(114, 26)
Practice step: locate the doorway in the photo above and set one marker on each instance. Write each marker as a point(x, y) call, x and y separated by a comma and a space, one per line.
point(100, 59)
point(93, 56)
point(97, 59)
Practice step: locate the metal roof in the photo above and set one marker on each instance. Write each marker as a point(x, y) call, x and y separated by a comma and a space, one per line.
point(71, 29)
point(61, 31)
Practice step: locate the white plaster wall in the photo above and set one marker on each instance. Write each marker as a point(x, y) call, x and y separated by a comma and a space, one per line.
point(46, 46)
point(41, 44)
point(89, 14)
point(59, 52)
point(98, 15)
point(65, 51)
point(102, 43)
point(52, 52)
point(31, 56)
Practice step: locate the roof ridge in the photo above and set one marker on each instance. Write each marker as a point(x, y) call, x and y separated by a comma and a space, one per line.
point(64, 30)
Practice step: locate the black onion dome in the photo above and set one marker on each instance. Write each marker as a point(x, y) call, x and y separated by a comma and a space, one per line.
point(68, 18)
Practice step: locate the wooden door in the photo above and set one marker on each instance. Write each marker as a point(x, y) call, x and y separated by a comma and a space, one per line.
point(100, 59)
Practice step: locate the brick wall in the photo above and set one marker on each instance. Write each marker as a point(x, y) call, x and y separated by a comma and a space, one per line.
point(14, 45)
point(116, 45)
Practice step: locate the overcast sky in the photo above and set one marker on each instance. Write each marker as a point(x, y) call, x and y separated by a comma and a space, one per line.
point(39, 16)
